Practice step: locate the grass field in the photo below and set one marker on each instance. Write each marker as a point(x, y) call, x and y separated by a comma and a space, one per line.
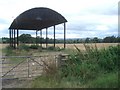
point(81, 46)
point(95, 68)
point(71, 46)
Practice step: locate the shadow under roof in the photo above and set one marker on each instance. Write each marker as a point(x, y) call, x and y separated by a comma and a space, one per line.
point(37, 19)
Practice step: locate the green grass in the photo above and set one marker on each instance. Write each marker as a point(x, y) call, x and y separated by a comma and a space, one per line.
point(94, 68)
point(51, 82)
point(109, 80)
point(91, 69)
point(9, 51)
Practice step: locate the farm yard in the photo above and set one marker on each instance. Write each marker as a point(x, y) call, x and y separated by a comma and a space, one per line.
point(96, 68)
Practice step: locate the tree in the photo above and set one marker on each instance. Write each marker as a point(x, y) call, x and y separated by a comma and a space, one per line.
point(87, 40)
point(110, 39)
point(96, 40)
point(25, 38)
point(118, 39)
point(5, 40)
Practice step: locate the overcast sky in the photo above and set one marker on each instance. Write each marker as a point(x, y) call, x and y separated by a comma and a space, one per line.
point(86, 18)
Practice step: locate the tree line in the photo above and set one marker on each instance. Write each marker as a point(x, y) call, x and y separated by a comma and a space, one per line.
point(27, 38)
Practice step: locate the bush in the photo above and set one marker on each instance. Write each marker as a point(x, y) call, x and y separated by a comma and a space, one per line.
point(54, 48)
point(51, 48)
point(9, 50)
point(23, 47)
point(109, 80)
point(92, 68)
point(34, 46)
point(87, 65)
point(108, 58)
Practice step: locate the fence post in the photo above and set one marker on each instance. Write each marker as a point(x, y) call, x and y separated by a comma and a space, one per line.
point(62, 59)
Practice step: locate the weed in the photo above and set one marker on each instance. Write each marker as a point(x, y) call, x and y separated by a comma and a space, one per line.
point(34, 47)
point(90, 68)
point(8, 51)
point(109, 80)
point(54, 48)
point(23, 47)
point(87, 65)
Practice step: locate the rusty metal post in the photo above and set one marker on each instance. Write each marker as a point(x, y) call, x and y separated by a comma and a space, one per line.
point(64, 35)
point(41, 38)
point(14, 40)
point(36, 37)
point(10, 36)
point(46, 38)
point(54, 35)
point(17, 37)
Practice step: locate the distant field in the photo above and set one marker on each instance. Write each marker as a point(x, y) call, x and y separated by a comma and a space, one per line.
point(81, 46)
point(71, 46)
point(3, 46)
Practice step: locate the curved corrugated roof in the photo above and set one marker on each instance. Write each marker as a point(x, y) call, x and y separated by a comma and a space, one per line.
point(37, 18)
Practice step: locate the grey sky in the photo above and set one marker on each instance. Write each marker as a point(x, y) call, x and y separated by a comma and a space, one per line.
point(86, 18)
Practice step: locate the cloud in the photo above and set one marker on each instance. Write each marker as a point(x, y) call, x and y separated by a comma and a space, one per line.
point(85, 17)
point(2, 21)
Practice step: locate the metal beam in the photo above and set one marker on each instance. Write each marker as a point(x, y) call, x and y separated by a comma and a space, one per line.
point(36, 37)
point(14, 40)
point(64, 35)
point(39, 40)
point(46, 38)
point(10, 36)
point(41, 37)
point(54, 35)
point(17, 37)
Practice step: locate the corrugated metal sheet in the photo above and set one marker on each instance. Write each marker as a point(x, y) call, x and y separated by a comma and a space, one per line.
point(37, 19)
